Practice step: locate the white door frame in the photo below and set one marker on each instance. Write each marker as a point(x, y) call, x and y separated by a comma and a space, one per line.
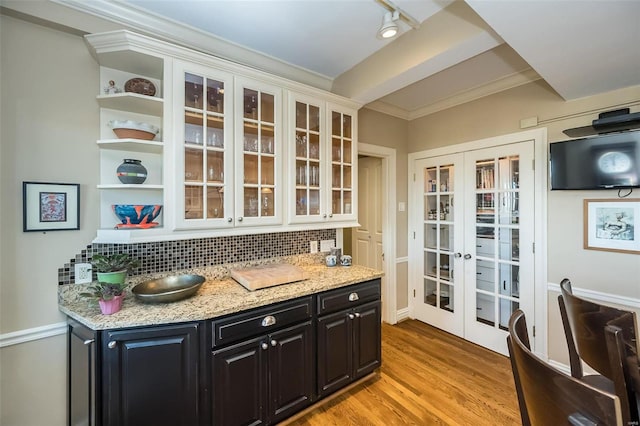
point(388, 157)
point(539, 136)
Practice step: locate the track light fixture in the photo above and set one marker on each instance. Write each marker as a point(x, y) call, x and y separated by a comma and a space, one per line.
point(389, 26)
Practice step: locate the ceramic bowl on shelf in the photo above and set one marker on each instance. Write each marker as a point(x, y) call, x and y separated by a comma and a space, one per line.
point(125, 129)
point(141, 86)
point(137, 215)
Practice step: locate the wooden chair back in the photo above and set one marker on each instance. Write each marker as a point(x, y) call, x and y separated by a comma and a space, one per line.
point(549, 397)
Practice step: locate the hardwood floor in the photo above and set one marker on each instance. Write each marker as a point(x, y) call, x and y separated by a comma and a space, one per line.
point(428, 377)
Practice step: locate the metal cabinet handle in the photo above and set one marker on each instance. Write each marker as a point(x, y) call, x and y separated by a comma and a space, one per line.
point(458, 255)
point(268, 321)
point(264, 346)
point(112, 344)
point(353, 297)
point(240, 219)
point(357, 314)
point(89, 341)
point(351, 316)
point(229, 219)
point(467, 256)
point(330, 214)
point(274, 342)
point(324, 216)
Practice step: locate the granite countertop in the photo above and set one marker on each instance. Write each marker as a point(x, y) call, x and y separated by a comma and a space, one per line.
point(219, 295)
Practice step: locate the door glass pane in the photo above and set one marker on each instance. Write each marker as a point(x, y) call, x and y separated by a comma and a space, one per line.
point(507, 307)
point(266, 201)
point(314, 202)
point(251, 169)
point(508, 208)
point(430, 291)
point(267, 107)
point(314, 118)
point(509, 249)
point(346, 199)
point(446, 297)
point(485, 275)
point(485, 174)
point(193, 159)
point(193, 90)
point(485, 311)
point(215, 167)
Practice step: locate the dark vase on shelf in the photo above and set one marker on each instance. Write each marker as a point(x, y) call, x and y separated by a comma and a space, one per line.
point(131, 171)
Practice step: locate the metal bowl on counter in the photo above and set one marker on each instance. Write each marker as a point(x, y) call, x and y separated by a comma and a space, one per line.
point(168, 289)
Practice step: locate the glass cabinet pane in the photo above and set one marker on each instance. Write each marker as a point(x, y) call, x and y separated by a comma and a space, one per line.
point(204, 147)
point(308, 159)
point(342, 176)
point(259, 153)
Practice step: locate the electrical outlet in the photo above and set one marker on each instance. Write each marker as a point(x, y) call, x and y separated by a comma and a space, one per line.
point(313, 246)
point(327, 245)
point(83, 273)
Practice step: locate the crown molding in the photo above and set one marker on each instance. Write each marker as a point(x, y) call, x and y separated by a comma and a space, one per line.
point(388, 109)
point(493, 87)
point(184, 35)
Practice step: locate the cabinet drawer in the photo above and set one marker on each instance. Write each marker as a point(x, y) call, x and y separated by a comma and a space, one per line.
point(485, 247)
point(344, 298)
point(261, 320)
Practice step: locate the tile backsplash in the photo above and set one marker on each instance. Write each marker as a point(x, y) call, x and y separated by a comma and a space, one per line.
point(186, 254)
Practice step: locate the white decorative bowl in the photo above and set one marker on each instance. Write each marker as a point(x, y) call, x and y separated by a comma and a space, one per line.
point(126, 129)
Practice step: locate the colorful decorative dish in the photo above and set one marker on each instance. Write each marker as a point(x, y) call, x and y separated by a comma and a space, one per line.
point(137, 215)
point(141, 86)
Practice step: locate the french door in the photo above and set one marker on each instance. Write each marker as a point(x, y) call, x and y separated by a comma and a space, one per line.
point(476, 241)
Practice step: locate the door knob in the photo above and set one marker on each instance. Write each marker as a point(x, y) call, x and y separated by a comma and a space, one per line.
point(240, 219)
point(467, 256)
point(458, 255)
point(229, 219)
point(264, 346)
point(112, 344)
point(351, 316)
point(274, 342)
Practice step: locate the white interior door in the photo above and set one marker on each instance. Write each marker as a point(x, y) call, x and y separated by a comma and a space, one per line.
point(472, 258)
point(499, 258)
point(438, 290)
point(367, 239)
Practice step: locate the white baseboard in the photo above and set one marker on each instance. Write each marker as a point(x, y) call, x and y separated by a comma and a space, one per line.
point(31, 334)
point(402, 314)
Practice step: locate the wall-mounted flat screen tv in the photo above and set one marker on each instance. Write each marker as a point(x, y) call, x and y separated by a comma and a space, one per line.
point(601, 162)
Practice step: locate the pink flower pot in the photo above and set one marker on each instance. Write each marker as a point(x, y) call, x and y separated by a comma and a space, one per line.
point(108, 307)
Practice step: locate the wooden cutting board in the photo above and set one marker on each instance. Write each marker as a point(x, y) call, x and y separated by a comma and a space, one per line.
point(264, 276)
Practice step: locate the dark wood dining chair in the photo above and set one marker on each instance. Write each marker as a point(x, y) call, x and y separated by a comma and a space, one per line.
point(604, 338)
point(549, 397)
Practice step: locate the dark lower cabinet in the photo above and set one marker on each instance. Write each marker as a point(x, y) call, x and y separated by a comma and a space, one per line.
point(150, 376)
point(81, 346)
point(136, 377)
point(265, 379)
point(256, 367)
point(349, 340)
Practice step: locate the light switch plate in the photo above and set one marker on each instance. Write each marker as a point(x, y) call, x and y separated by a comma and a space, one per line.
point(327, 245)
point(313, 247)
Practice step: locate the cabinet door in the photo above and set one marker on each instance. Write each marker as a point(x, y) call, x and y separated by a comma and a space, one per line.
point(291, 370)
point(367, 339)
point(83, 409)
point(343, 153)
point(258, 121)
point(161, 359)
point(239, 383)
point(203, 149)
point(335, 352)
point(308, 160)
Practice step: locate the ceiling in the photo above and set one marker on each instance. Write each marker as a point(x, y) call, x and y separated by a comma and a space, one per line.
point(462, 50)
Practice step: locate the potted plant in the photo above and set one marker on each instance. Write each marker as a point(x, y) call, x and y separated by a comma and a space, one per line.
point(113, 268)
point(108, 295)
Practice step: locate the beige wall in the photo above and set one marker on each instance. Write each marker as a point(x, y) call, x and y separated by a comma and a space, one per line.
point(384, 130)
point(49, 127)
point(598, 271)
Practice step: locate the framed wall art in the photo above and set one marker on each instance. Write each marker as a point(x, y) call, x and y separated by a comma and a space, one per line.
point(612, 225)
point(50, 206)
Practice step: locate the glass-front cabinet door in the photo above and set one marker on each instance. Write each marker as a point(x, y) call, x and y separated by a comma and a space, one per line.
point(343, 155)
point(258, 154)
point(204, 156)
point(307, 151)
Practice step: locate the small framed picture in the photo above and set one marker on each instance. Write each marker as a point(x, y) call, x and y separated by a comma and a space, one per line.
point(612, 225)
point(50, 206)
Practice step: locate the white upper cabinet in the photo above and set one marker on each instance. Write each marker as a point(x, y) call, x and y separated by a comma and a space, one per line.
point(203, 147)
point(258, 148)
point(230, 157)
